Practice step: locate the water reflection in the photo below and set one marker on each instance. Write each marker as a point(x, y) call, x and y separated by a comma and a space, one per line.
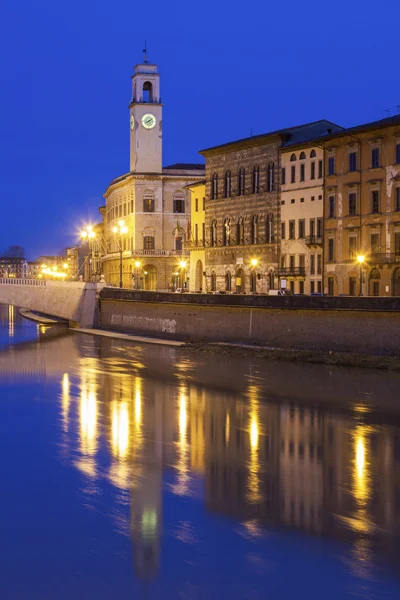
point(267, 464)
point(261, 462)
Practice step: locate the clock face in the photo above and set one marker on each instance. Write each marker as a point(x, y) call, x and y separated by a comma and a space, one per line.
point(132, 122)
point(148, 121)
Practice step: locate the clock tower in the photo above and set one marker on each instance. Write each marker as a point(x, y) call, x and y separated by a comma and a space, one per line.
point(145, 114)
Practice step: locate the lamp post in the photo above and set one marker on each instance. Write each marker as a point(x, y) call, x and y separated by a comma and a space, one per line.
point(360, 259)
point(119, 232)
point(254, 263)
point(182, 265)
point(88, 234)
point(137, 267)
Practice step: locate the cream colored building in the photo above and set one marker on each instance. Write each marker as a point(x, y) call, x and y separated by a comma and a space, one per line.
point(302, 207)
point(152, 202)
point(196, 244)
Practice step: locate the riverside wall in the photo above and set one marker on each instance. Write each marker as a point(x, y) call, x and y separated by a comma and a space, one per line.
point(358, 325)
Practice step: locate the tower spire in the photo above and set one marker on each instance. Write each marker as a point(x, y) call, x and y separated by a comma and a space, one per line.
point(145, 60)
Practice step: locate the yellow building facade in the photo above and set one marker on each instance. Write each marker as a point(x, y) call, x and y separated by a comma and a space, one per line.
point(196, 244)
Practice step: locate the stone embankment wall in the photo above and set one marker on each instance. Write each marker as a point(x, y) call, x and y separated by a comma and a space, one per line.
point(75, 302)
point(362, 325)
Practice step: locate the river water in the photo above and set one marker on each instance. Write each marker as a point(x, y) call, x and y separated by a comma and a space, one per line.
point(153, 472)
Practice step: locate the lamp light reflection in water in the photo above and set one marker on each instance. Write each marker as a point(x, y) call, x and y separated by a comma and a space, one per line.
point(11, 321)
point(227, 428)
point(65, 400)
point(254, 494)
point(182, 463)
point(120, 428)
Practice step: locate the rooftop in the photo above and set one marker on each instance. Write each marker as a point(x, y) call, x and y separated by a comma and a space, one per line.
point(186, 167)
point(289, 135)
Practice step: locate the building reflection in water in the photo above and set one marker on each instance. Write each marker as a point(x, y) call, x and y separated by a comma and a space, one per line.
point(261, 462)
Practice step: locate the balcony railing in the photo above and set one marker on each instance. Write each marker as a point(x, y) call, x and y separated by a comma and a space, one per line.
point(383, 258)
point(195, 244)
point(314, 240)
point(144, 252)
point(292, 272)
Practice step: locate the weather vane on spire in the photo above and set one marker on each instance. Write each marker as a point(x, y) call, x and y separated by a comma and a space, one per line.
point(145, 52)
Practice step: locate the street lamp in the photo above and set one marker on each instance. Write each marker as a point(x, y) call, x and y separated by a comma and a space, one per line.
point(137, 267)
point(119, 232)
point(360, 259)
point(182, 265)
point(88, 235)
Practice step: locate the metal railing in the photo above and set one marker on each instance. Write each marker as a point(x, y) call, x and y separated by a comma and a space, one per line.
point(292, 272)
point(314, 240)
point(15, 281)
point(383, 258)
point(144, 252)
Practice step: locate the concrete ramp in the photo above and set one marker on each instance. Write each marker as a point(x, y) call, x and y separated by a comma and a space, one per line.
point(75, 301)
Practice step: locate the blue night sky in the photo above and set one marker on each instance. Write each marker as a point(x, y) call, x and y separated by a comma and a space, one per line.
point(65, 81)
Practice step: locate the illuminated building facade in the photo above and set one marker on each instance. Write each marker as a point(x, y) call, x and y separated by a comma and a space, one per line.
point(243, 208)
point(362, 209)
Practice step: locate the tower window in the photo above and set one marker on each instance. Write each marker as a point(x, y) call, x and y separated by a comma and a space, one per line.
point(147, 92)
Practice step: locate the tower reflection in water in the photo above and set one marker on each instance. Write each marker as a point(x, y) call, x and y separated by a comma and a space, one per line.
point(260, 462)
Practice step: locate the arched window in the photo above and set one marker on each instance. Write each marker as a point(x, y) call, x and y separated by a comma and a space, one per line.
point(375, 274)
point(241, 182)
point(313, 154)
point(271, 177)
point(228, 281)
point(269, 229)
point(256, 179)
point(214, 187)
point(292, 158)
point(228, 184)
point(253, 230)
point(148, 201)
point(302, 156)
point(213, 282)
point(226, 233)
point(147, 92)
point(240, 231)
point(213, 233)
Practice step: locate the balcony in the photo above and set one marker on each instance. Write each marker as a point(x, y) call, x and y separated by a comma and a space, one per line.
point(194, 244)
point(314, 240)
point(292, 272)
point(144, 252)
point(383, 258)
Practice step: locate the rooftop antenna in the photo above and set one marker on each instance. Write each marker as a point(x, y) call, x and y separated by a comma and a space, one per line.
point(398, 109)
point(251, 133)
point(145, 52)
point(387, 110)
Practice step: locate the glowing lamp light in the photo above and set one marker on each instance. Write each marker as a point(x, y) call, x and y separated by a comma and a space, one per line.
point(361, 259)
point(182, 264)
point(254, 262)
point(137, 264)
